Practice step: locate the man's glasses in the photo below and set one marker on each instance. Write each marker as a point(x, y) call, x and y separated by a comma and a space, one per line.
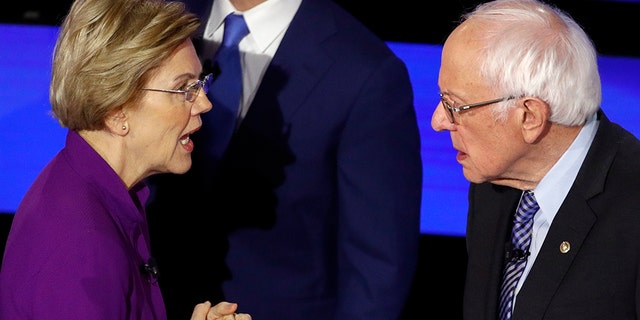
point(451, 111)
point(191, 91)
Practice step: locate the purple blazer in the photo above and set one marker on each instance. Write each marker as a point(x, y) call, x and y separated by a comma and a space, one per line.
point(77, 244)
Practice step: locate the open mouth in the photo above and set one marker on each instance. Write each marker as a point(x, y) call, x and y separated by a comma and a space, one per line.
point(185, 139)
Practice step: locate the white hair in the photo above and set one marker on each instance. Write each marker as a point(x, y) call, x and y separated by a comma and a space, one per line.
point(534, 49)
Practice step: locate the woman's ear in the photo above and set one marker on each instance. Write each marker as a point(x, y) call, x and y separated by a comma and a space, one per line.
point(535, 116)
point(117, 123)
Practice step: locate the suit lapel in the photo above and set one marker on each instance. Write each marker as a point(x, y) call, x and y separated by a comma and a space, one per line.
point(289, 79)
point(494, 213)
point(571, 225)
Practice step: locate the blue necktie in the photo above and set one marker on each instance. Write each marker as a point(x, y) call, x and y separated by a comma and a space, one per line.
point(226, 89)
point(521, 239)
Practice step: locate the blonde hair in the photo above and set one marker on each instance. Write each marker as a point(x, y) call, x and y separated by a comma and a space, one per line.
point(105, 53)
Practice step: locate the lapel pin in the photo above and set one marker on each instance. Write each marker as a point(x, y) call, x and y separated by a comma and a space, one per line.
point(565, 246)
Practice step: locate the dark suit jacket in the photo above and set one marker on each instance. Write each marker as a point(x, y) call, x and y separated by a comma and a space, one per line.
point(600, 218)
point(319, 190)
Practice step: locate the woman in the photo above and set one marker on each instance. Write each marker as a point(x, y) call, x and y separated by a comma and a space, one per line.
point(125, 82)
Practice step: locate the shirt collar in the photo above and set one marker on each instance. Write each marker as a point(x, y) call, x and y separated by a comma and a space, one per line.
point(555, 185)
point(265, 21)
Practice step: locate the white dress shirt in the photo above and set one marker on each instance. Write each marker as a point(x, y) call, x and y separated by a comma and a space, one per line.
point(267, 23)
point(552, 190)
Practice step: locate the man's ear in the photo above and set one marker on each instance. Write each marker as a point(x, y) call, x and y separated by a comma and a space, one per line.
point(534, 118)
point(117, 123)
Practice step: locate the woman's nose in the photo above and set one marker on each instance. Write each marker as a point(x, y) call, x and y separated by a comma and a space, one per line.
point(202, 104)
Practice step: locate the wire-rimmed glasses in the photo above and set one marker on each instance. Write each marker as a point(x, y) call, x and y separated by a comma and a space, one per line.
point(449, 110)
point(190, 91)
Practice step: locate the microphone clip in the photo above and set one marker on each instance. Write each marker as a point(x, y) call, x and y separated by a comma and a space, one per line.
point(517, 254)
point(151, 269)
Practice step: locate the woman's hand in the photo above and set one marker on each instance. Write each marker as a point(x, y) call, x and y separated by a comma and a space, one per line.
point(221, 311)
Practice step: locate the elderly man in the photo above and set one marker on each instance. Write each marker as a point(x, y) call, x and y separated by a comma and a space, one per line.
point(520, 97)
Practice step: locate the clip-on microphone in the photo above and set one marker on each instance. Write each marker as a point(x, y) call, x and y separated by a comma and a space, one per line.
point(151, 269)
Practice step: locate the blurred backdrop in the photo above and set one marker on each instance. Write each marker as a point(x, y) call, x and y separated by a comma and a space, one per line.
point(30, 137)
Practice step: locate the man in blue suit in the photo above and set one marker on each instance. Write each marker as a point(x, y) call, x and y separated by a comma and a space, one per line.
point(313, 210)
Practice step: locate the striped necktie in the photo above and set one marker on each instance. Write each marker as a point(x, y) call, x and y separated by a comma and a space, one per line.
point(517, 260)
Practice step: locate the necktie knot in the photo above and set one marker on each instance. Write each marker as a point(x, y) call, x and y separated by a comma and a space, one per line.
point(235, 28)
point(527, 208)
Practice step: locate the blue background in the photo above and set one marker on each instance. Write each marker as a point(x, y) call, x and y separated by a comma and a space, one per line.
point(30, 136)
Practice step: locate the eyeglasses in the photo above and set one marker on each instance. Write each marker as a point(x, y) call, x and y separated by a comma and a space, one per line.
point(451, 110)
point(191, 91)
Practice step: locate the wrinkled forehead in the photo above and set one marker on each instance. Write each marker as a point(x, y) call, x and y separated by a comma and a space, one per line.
point(467, 38)
point(461, 50)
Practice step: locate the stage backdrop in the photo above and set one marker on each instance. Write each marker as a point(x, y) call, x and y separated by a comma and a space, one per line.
point(30, 136)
